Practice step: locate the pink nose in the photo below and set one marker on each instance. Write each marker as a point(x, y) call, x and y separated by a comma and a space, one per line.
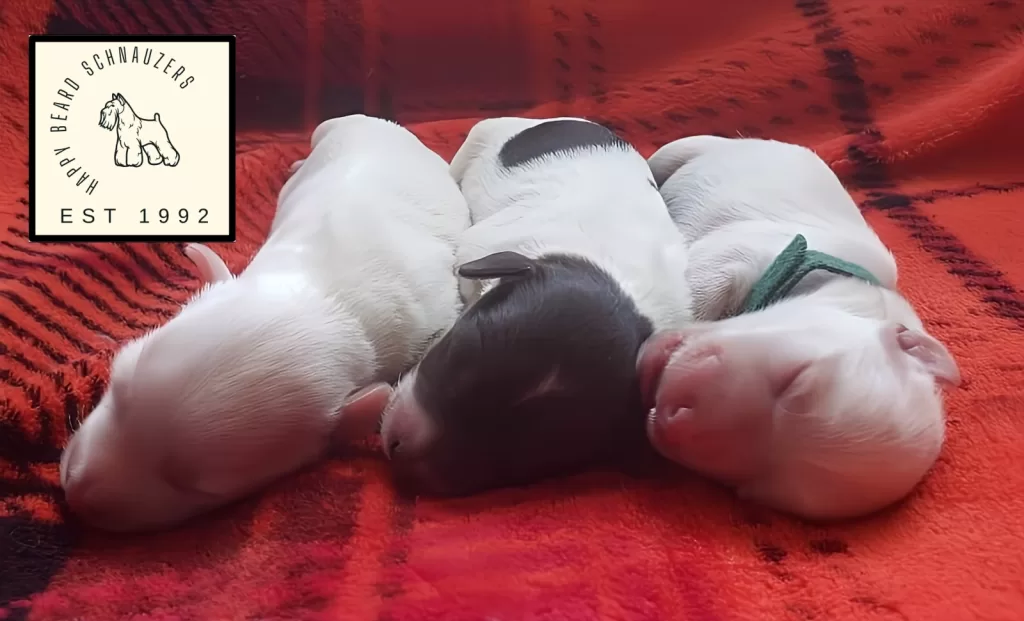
point(406, 433)
point(402, 442)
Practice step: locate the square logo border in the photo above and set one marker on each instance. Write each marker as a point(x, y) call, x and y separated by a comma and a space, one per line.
point(44, 38)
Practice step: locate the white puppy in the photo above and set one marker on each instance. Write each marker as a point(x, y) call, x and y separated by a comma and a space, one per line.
point(579, 262)
point(816, 394)
point(256, 373)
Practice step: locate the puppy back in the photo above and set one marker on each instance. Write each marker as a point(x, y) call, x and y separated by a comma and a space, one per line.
point(558, 137)
point(488, 137)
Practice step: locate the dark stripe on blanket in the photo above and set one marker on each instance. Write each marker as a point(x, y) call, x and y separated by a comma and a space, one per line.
point(33, 551)
point(851, 97)
point(99, 279)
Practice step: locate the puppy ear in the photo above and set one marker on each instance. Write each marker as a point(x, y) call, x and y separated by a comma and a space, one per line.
point(211, 267)
point(360, 413)
point(673, 156)
point(924, 348)
point(497, 265)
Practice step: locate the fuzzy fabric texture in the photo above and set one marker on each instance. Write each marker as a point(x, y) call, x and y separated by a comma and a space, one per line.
point(917, 104)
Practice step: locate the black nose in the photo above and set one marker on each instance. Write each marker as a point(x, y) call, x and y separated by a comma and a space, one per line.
point(393, 447)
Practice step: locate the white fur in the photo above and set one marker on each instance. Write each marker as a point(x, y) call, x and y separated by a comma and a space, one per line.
point(247, 382)
point(822, 404)
point(598, 204)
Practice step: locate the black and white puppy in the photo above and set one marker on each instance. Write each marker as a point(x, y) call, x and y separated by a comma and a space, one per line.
point(570, 265)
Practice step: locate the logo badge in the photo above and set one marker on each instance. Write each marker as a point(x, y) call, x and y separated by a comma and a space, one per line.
point(131, 138)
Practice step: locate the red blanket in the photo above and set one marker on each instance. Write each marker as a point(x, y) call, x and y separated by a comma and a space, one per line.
point(918, 105)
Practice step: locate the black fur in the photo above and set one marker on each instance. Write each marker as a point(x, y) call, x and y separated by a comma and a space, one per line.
point(552, 137)
point(564, 314)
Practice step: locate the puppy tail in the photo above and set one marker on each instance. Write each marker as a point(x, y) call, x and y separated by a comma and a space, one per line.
point(156, 116)
point(673, 156)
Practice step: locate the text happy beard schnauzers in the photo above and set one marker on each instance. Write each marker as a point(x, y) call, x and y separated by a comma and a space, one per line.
point(98, 62)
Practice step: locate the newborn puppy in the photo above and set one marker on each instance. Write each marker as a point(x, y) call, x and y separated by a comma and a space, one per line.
point(254, 376)
point(572, 261)
point(825, 402)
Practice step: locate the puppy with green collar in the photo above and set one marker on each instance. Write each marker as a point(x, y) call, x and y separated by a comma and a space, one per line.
point(810, 385)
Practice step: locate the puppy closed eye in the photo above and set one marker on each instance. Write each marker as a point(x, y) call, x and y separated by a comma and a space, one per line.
point(800, 386)
point(547, 386)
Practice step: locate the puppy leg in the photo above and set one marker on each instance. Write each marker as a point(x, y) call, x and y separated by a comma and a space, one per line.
point(720, 281)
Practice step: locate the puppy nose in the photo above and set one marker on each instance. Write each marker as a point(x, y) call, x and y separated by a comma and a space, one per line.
point(402, 444)
point(407, 432)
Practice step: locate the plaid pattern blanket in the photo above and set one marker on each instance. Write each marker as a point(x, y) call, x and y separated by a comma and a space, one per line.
point(917, 104)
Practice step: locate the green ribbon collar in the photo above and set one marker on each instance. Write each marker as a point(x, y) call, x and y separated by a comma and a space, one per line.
point(791, 266)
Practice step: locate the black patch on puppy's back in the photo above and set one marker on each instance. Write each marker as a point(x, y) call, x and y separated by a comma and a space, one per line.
point(553, 137)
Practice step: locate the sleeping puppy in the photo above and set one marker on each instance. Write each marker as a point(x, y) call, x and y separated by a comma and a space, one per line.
point(570, 265)
point(257, 373)
point(822, 401)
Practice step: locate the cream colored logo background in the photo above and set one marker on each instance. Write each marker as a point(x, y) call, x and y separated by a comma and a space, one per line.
point(197, 122)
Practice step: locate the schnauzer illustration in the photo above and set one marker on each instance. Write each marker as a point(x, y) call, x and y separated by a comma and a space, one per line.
point(137, 135)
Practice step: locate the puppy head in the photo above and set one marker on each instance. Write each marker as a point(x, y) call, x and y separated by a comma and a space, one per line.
point(236, 390)
point(117, 472)
point(803, 407)
point(534, 379)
